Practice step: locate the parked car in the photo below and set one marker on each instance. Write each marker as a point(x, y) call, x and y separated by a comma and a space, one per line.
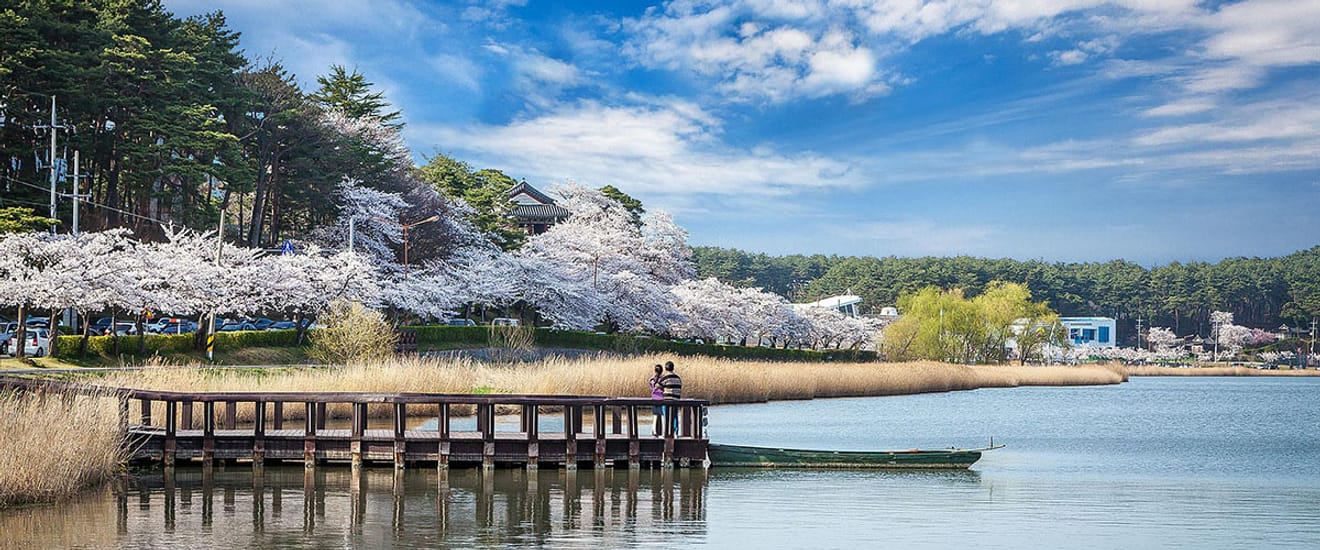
point(122, 328)
point(234, 326)
point(180, 326)
point(100, 327)
point(504, 322)
point(289, 325)
point(156, 324)
point(461, 323)
point(38, 343)
point(6, 332)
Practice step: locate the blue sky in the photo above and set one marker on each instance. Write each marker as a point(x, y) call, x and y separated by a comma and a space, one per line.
point(1071, 130)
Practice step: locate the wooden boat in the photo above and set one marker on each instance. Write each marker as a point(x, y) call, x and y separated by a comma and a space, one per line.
point(765, 457)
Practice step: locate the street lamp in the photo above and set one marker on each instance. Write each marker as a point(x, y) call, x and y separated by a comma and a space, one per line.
point(405, 227)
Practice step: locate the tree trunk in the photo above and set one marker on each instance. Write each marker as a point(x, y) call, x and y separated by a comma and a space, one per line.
point(114, 331)
point(86, 333)
point(53, 329)
point(21, 333)
point(300, 330)
point(141, 334)
point(203, 331)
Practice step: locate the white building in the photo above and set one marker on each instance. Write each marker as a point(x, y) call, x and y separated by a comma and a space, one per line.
point(1098, 332)
point(846, 304)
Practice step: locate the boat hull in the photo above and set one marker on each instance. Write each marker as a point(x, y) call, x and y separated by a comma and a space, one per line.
point(766, 457)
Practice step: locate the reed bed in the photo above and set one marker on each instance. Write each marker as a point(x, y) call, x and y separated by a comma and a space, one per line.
point(1152, 370)
point(717, 380)
point(57, 444)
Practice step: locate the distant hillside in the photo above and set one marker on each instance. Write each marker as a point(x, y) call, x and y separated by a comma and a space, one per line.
point(1260, 292)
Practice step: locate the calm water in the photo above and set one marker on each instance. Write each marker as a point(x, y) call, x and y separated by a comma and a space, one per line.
point(1154, 463)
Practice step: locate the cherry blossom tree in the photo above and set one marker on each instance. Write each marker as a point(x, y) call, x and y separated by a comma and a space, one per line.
point(303, 285)
point(360, 206)
point(28, 262)
point(1162, 339)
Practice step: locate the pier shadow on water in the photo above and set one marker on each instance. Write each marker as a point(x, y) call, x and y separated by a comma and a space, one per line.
point(374, 507)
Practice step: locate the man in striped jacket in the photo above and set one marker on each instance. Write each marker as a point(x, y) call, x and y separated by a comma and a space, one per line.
point(672, 384)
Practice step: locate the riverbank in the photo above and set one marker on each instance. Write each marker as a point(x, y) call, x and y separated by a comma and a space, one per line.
point(719, 381)
point(55, 445)
point(1152, 370)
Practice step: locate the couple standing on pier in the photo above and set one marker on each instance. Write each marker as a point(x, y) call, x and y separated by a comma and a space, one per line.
point(666, 384)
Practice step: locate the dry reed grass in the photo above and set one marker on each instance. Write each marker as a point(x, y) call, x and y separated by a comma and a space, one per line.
point(717, 380)
point(56, 444)
point(1151, 370)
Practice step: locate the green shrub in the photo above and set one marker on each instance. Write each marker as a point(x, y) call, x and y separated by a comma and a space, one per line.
point(170, 344)
point(353, 333)
point(445, 336)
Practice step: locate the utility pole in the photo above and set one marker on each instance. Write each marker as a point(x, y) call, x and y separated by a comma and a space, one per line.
point(1139, 333)
point(52, 161)
point(54, 173)
point(219, 249)
point(405, 227)
point(1312, 349)
point(350, 233)
point(77, 188)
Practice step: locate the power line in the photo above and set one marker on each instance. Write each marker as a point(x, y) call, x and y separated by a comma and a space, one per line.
point(16, 201)
point(97, 204)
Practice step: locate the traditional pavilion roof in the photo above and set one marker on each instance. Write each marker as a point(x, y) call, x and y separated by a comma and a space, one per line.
point(547, 211)
point(540, 212)
point(523, 187)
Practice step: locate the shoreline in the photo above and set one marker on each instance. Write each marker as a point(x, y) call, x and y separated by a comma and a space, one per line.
point(1151, 370)
point(719, 381)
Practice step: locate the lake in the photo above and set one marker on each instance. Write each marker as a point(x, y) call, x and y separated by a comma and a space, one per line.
point(1153, 463)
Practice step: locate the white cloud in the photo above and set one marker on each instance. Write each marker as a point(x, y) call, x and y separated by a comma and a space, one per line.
point(1068, 57)
point(665, 146)
point(458, 70)
point(757, 51)
point(539, 78)
point(1188, 106)
point(776, 50)
point(1292, 118)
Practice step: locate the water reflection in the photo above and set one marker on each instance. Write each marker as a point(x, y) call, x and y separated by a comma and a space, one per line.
point(283, 506)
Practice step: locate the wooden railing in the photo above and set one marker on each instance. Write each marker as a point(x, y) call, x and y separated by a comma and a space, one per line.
point(165, 427)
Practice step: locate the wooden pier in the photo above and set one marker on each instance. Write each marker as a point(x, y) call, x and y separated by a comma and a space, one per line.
point(175, 427)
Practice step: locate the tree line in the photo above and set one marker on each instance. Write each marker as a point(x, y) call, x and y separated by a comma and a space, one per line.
point(174, 124)
point(1259, 292)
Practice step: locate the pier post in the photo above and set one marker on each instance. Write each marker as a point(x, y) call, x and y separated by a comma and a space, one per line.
point(400, 425)
point(533, 433)
point(570, 436)
point(186, 422)
point(146, 412)
point(598, 429)
point(171, 430)
point(667, 458)
point(359, 426)
point(634, 446)
point(320, 415)
point(231, 415)
point(278, 413)
point(208, 432)
point(442, 423)
point(487, 411)
point(309, 436)
point(259, 435)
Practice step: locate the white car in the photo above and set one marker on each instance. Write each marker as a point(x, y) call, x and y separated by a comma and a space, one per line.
point(38, 343)
point(504, 322)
